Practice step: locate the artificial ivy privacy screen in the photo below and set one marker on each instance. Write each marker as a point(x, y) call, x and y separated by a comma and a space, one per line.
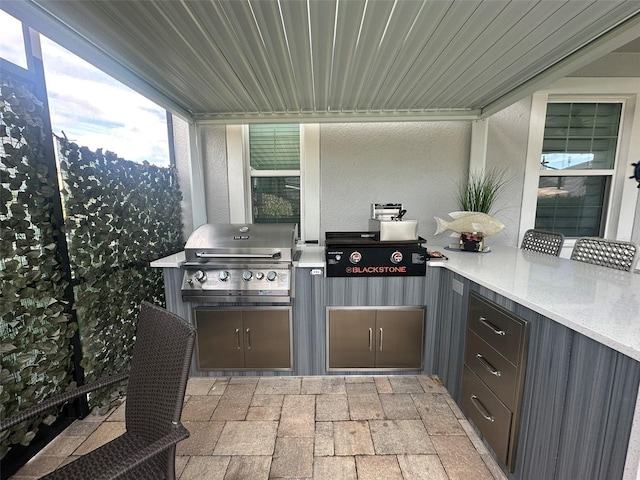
point(119, 216)
point(34, 326)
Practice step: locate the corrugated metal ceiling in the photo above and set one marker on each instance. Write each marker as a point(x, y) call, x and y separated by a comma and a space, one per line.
point(334, 60)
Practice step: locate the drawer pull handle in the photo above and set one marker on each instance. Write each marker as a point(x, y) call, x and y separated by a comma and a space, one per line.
point(370, 339)
point(495, 329)
point(483, 411)
point(490, 368)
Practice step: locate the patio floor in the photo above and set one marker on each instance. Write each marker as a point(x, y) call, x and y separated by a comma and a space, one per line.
point(333, 428)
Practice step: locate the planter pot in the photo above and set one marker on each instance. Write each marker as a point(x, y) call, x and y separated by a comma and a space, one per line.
point(472, 241)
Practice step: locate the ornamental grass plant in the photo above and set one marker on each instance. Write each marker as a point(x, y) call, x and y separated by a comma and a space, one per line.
point(482, 190)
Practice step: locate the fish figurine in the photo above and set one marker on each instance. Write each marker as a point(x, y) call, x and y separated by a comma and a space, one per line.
point(470, 222)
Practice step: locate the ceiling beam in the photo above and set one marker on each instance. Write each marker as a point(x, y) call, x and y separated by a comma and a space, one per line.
point(339, 117)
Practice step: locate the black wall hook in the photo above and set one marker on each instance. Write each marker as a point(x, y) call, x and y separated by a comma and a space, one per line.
point(636, 172)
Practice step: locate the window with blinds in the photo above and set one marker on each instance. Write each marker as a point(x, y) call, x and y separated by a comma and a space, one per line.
point(274, 161)
point(577, 167)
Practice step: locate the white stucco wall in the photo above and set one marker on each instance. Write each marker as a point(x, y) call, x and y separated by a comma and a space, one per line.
point(507, 149)
point(181, 150)
point(635, 237)
point(213, 148)
point(616, 64)
point(418, 164)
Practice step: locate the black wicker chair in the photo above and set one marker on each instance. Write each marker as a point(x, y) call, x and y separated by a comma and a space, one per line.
point(606, 253)
point(543, 242)
point(155, 395)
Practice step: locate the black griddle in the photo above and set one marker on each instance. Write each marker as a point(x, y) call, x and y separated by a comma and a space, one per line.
point(362, 254)
point(365, 239)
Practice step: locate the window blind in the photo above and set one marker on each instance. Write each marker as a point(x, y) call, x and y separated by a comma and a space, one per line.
point(275, 148)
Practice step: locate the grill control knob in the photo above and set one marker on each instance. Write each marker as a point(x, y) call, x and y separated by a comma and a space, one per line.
point(259, 276)
point(271, 276)
point(200, 276)
point(223, 276)
point(246, 275)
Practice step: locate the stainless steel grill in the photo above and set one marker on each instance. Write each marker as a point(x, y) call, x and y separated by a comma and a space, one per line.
point(240, 263)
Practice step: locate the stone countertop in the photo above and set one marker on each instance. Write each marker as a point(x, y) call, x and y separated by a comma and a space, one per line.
point(599, 302)
point(172, 261)
point(312, 256)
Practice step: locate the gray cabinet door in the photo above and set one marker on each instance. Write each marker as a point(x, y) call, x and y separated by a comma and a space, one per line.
point(267, 339)
point(219, 340)
point(351, 338)
point(376, 338)
point(399, 338)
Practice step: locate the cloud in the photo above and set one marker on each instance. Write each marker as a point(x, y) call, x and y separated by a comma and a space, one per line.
point(92, 108)
point(11, 40)
point(97, 111)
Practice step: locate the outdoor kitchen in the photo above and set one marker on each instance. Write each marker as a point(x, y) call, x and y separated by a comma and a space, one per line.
point(245, 287)
point(382, 301)
point(344, 314)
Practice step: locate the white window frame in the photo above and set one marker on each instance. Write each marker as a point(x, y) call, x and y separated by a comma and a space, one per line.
point(622, 200)
point(239, 178)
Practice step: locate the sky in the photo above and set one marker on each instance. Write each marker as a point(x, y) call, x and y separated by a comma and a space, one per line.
point(92, 108)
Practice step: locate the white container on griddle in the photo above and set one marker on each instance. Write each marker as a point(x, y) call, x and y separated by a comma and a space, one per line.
point(387, 221)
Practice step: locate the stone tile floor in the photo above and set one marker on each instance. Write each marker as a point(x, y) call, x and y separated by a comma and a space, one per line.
point(333, 428)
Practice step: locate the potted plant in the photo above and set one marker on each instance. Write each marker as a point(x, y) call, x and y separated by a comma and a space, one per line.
point(482, 190)
point(476, 198)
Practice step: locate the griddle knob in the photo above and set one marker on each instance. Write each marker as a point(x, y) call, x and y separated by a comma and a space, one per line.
point(271, 276)
point(200, 276)
point(223, 276)
point(246, 275)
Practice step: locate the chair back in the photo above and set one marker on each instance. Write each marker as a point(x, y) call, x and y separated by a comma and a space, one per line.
point(159, 372)
point(543, 242)
point(606, 253)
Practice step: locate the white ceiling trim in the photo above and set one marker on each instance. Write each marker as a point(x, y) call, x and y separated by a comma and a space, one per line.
point(338, 117)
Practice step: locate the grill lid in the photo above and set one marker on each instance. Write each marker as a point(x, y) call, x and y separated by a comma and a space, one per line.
point(247, 242)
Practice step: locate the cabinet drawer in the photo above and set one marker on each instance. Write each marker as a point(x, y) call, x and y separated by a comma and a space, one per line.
point(489, 414)
point(496, 327)
point(500, 375)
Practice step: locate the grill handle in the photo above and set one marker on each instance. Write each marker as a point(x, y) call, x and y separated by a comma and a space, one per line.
point(239, 255)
